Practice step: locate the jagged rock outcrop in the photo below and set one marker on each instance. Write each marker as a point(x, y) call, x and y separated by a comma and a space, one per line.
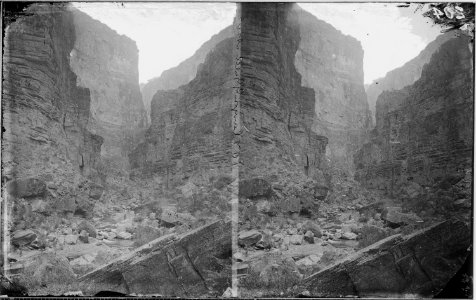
point(107, 64)
point(196, 264)
point(183, 73)
point(424, 132)
point(45, 113)
point(420, 265)
point(190, 132)
point(331, 63)
point(406, 74)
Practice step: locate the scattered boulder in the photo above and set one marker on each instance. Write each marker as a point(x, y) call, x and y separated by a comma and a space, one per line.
point(84, 236)
point(123, 235)
point(47, 269)
point(396, 218)
point(195, 264)
point(254, 188)
point(249, 238)
point(419, 264)
point(296, 239)
point(23, 237)
point(371, 234)
point(26, 187)
point(71, 239)
point(309, 237)
point(313, 227)
point(88, 227)
point(349, 236)
point(279, 274)
point(96, 191)
point(144, 234)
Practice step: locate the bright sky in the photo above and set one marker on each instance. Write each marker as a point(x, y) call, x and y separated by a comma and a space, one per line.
point(390, 36)
point(168, 33)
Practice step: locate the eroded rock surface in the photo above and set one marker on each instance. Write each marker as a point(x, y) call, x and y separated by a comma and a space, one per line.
point(107, 64)
point(419, 264)
point(190, 132)
point(424, 132)
point(192, 265)
point(404, 75)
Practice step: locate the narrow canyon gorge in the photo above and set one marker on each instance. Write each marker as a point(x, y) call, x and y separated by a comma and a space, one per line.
point(112, 187)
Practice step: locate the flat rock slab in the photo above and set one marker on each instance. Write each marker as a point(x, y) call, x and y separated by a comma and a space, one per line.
point(195, 264)
point(419, 264)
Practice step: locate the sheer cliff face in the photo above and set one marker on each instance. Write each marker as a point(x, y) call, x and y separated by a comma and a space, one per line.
point(45, 113)
point(107, 64)
point(424, 131)
point(48, 155)
point(277, 112)
point(406, 74)
point(190, 132)
point(332, 65)
point(184, 72)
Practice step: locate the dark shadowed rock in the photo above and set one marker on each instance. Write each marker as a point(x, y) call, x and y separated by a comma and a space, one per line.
point(23, 237)
point(88, 227)
point(419, 264)
point(96, 191)
point(249, 238)
point(47, 269)
point(26, 187)
point(395, 217)
point(255, 187)
point(371, 234)
point(192, 265)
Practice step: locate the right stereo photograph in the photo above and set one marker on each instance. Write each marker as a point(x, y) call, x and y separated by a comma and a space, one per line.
point(356, 150)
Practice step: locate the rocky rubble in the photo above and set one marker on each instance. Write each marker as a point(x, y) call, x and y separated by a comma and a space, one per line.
point(419, 264)
point(189, 268)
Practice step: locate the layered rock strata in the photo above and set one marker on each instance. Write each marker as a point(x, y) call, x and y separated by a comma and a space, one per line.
point(190, 132)
point(45, 112)
point(196, 264)
point(420, 264)
point(331, 64)
point(277, 112)
point(48, 154)
point(406, 74)
point(424, 132)
point(107, 64)
point(184, 72)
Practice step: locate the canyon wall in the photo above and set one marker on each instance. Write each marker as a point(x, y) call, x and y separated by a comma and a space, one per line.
point(49, 156)
point(184, 72)
point(107, 64)
point(406, 74)
point(331, 63)
point(424, 132)
point(190, 132)
point(277, 112)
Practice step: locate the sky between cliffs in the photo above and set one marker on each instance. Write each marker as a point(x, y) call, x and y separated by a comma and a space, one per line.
point(168, 33)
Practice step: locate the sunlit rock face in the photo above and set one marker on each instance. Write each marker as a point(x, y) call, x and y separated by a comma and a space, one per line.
point(45, 112)
point(184, 72)
point(406, 74)
point(107, 64)
point(424, 132)
point(190, 132)
point(331, 63)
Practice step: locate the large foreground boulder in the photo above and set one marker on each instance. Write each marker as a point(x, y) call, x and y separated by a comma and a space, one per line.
point(195, 264)
point(420, 264)
point(26, 187)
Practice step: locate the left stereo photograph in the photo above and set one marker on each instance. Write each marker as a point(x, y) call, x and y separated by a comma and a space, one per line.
point(117, 149)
